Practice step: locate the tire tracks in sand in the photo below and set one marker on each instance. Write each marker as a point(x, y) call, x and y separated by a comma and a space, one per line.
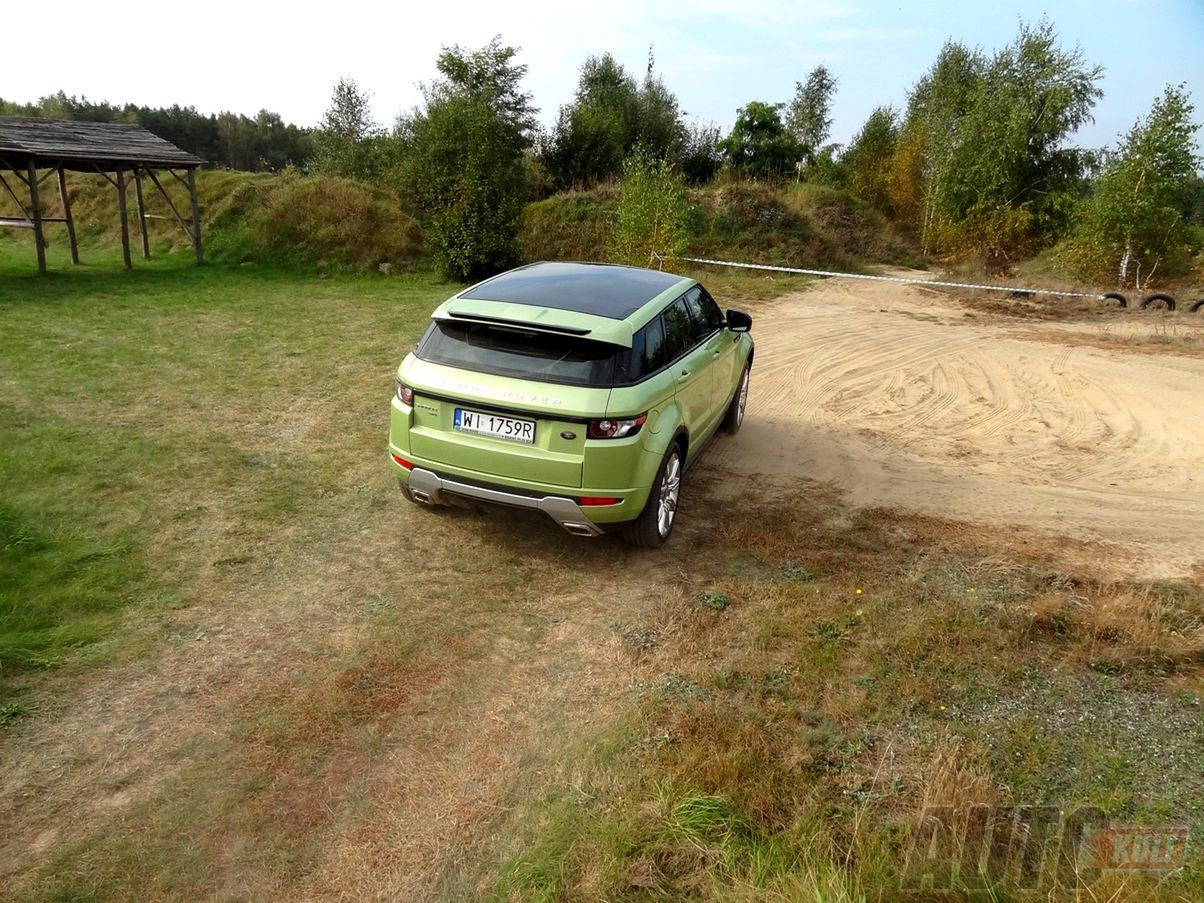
point(895, 395)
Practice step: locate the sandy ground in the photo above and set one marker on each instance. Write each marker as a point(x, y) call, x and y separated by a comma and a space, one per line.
point(902, 397)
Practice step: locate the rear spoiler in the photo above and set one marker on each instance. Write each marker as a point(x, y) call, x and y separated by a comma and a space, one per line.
point(525, 324)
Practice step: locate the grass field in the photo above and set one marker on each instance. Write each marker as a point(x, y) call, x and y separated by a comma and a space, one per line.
point(235, 665)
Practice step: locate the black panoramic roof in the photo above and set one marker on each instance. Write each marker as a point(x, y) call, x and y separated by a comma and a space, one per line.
point(600, 289)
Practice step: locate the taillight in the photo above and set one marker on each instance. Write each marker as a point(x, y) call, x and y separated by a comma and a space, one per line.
point(402, 462)
point(613, 428)
point(598, 500)
point(404, 393)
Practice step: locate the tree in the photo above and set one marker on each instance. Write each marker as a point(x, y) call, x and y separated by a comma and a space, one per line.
point(700, 155)
point(347, 137)
point(610, 114)
point(597, 130)
point(809, 116)
point(1135, 218)
point(991, 131)
point(759, 143)
point(225, 139)
point(653, 208)
point(463, 163)
point(867, 160)
point(659, 126)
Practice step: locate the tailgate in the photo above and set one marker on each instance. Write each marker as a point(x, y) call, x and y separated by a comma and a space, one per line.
point(551, 458)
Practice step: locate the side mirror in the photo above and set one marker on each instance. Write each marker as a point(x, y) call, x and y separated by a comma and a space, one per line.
point(738, 321)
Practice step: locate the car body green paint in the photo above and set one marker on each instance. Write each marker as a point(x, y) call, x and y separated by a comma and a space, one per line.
point(686, 398)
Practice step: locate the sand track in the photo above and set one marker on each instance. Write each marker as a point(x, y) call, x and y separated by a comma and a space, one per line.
point(900, 397)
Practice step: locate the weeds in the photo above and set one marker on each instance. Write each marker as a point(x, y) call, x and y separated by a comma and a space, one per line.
point(714, 599)
point(11, 712)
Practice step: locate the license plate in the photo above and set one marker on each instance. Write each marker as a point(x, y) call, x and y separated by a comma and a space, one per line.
point(512, 428)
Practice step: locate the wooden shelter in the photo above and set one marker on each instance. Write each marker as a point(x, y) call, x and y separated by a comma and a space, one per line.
point(35, 149)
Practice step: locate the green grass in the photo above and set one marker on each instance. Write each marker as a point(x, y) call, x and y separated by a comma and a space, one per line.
point(113, 460)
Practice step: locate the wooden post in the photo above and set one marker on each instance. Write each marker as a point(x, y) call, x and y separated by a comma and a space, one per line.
point(125, 225)
point(196, 215)
point(141, 213)
point(67, 215)
point(36, 215)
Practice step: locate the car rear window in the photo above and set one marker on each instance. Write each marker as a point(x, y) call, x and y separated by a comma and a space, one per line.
point(522, 353)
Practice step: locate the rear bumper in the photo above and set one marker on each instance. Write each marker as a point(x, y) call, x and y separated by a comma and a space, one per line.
point(430, 488)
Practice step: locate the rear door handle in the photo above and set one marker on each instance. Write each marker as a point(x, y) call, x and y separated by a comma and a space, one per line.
point(685, 374)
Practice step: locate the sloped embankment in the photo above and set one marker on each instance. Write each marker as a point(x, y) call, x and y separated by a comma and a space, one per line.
point(793, 224)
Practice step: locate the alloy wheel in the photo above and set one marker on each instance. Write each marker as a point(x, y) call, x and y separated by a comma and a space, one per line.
point(670, 491)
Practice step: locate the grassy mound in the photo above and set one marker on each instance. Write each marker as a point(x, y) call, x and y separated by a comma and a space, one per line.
point(793, 224)
point(330, 223)
point(310, 222)
point(572, 225)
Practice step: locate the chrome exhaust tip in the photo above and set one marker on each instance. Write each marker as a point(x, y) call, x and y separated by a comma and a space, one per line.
point(580, 529)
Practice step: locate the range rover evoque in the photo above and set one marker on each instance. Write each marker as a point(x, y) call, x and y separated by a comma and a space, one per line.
point(578, 389)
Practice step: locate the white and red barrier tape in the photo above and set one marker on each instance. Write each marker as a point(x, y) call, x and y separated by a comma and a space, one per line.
point(900, 279)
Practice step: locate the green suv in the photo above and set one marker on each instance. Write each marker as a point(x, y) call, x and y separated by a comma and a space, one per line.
point(582, 390)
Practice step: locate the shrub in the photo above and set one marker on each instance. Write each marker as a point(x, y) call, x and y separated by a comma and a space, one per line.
point(653, 209)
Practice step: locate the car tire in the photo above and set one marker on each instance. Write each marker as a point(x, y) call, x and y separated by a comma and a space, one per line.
point(1155, 298)
point(652, 528)
point(734, 417)
point(1115, 296)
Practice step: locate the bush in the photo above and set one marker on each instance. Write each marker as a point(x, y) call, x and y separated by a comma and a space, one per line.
point(650, 226)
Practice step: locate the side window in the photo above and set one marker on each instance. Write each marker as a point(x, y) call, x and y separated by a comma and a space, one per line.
point(653, 357)
point(702, 313)
point(679, 330)
point(714, 314)
point(647, 355)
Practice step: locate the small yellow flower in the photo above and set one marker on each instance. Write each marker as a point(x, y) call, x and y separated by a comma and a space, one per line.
point(942, 708)
point(858, 591)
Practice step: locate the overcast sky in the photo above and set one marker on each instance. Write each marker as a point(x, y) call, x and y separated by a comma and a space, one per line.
point(714, 54)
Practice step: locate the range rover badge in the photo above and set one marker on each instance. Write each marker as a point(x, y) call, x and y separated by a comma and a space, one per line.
point(568, 434)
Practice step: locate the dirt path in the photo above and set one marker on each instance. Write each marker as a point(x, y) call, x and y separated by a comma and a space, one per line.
point(901, 398)
point(429, 751)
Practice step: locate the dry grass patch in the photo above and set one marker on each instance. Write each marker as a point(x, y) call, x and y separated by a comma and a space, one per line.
point(1151, 333)
point(1114, 629)
point(866, 669)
